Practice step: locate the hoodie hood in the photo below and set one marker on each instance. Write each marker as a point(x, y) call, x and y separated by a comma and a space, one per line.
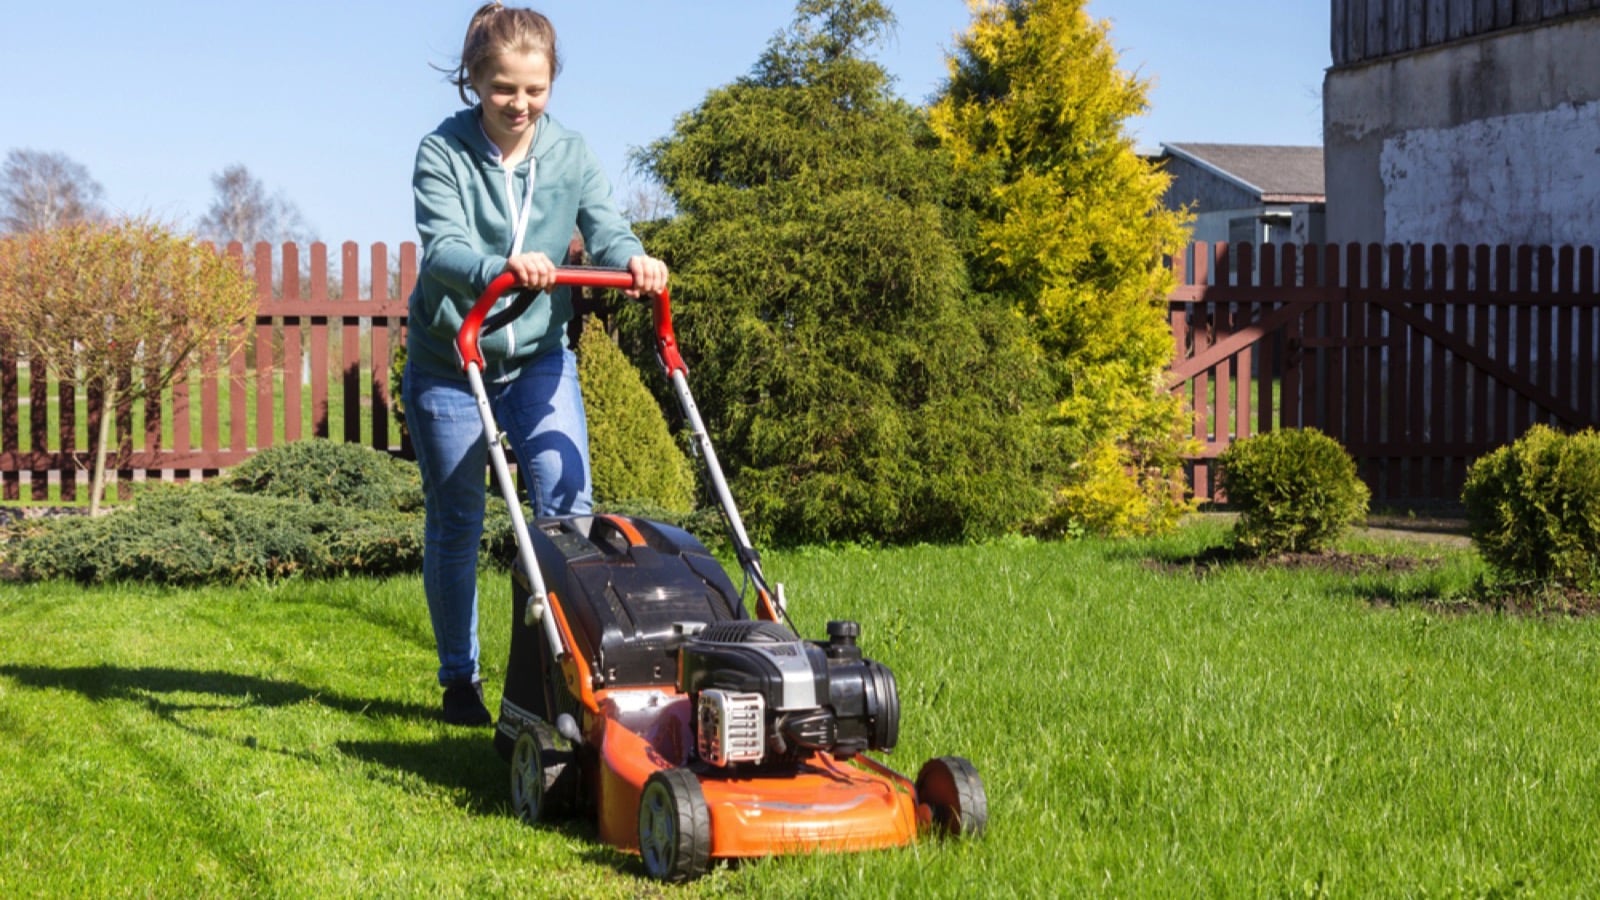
point(466, 126)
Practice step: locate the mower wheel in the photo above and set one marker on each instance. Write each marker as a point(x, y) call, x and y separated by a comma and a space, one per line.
point(949, 789)
point(542, 774)
point(674, 826)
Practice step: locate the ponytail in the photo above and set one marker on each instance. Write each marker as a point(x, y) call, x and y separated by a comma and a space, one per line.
point(495, 29)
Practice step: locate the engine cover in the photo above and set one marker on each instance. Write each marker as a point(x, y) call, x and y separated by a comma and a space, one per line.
point(762, 694)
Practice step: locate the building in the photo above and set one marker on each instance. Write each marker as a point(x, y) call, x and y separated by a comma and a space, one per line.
point(1247, 192)
point(1463, 121)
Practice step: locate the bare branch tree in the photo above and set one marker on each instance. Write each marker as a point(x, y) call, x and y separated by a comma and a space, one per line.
point(123, 306)
point(243, 211)
point(644, 199)
point(40, 191)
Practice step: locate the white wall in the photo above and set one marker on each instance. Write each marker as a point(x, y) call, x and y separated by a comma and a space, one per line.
point(1486, 140)
point(1527, 178)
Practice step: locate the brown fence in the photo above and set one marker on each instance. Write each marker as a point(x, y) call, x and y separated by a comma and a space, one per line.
point(315, 363)
point(1418, 359)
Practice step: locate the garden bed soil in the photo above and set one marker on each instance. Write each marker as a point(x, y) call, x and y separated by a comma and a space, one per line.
point(1446, 528)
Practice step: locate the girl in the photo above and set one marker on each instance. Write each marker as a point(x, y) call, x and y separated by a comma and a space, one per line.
point(500, 187)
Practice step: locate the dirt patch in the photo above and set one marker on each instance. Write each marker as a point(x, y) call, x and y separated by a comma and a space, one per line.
point(1327, 561)
point(16, 515)
point(1542, 600)
point(1445, 526)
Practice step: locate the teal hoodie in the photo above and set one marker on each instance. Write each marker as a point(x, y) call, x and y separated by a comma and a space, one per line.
point(466, 212)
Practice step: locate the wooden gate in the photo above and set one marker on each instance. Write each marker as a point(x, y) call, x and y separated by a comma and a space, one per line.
point(1418, 359)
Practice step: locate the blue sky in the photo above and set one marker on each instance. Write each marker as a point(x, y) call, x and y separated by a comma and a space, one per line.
point(325, 101)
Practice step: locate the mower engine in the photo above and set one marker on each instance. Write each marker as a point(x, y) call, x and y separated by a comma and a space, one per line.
point(761, 694)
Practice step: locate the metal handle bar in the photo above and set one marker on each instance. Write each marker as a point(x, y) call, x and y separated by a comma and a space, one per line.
point(480, 322)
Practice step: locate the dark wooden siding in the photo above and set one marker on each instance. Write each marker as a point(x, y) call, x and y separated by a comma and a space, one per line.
point(1364, 30)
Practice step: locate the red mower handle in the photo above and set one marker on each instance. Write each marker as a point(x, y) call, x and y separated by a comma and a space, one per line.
point(479, 322)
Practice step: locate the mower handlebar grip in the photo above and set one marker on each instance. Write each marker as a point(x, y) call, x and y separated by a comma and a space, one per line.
point(478, 323)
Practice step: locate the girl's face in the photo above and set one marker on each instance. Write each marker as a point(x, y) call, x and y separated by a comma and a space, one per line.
point(514, 88)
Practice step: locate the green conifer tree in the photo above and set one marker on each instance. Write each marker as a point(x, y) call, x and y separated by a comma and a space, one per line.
point(633, 459)
point(856, 387)
point(1072, 230)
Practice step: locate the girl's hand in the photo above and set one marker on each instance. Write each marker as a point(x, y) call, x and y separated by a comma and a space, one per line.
point(649, 275)
point(533, 270)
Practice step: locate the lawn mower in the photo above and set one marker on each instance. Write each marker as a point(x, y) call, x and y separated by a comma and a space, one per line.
point(641, 692)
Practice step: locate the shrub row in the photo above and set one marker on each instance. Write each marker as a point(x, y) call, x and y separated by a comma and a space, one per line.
point(194, 534)
point(314, 508)
point(320, 508)
point(1533, 507)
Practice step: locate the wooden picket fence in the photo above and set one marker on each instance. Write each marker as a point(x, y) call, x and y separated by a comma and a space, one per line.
point(315, 363)
point(1418, 359)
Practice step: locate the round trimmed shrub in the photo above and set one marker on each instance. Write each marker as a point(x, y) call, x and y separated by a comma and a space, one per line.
point(324, 472)
point(1533, 507)
point(1296, 490)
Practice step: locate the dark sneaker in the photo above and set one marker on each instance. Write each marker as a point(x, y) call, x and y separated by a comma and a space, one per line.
point(463, 704)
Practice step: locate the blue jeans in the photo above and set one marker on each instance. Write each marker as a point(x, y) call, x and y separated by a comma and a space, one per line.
point(541, 413)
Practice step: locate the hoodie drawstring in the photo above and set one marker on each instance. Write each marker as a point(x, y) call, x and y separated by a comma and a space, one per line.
point(519, 224)
point(520, 217)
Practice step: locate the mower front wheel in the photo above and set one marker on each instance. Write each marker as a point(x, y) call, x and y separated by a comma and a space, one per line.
point(674, 826)
point(950, 797)
point(541, 783)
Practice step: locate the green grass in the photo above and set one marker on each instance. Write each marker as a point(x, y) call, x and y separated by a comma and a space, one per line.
point(1142, 731)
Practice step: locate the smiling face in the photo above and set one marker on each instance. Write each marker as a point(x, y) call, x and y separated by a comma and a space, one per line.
point(514, 87)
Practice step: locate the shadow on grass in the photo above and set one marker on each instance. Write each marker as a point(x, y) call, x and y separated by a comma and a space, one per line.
point(462, 761)
point(157, 687)
point(1197, 563)
point(466, 765)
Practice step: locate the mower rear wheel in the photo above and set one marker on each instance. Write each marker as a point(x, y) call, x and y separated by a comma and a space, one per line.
point(674, 826)
point(951, 791)
point(541, 776)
